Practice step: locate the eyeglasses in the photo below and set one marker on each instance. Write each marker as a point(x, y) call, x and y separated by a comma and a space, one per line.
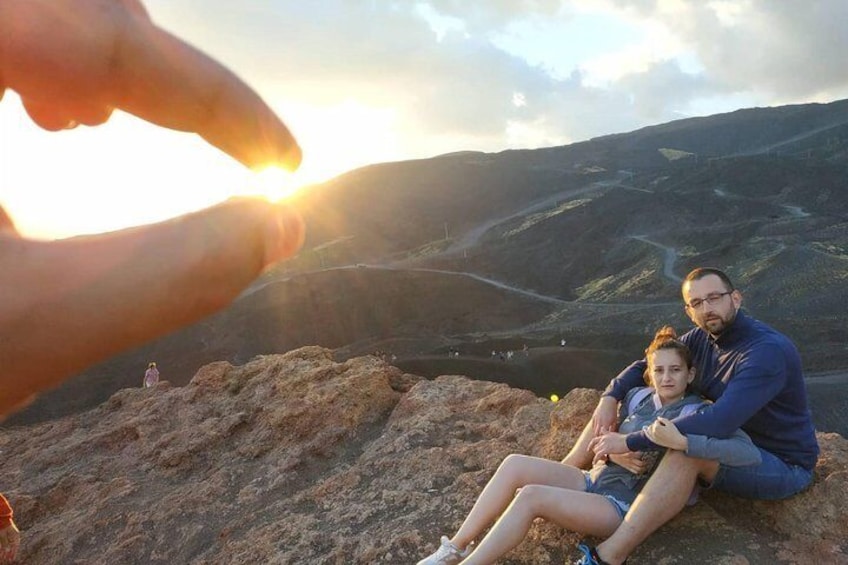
point(711, 299)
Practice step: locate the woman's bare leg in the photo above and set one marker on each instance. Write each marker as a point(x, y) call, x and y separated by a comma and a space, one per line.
point(580, 455)
point(582, 512)
point(664, 496)
point(515, 472)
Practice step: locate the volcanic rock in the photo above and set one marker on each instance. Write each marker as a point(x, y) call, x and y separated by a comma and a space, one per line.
point(297, 458)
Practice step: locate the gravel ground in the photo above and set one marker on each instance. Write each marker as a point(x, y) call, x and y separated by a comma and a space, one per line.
point(828, 397)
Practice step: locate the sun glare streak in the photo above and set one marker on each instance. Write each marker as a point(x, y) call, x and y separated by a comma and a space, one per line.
point(274, 184)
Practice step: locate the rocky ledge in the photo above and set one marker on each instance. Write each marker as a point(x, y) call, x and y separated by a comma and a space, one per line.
point(299, 459)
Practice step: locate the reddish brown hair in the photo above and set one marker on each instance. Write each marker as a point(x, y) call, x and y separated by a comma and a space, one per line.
point(666, 338)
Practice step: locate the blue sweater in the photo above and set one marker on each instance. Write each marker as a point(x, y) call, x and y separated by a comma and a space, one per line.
point(753, 374)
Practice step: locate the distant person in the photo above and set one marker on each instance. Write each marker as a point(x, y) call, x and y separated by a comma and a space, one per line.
point(72, 62)
point(151, 375)
point(590, 502)
point(562, 343)
point(10, 537)
point(753, 374)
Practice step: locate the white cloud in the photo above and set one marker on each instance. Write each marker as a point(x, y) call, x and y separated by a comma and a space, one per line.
point(519, 100)
point(494, 14)
point(788, 51)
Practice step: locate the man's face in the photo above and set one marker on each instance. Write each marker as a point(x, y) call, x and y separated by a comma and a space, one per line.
point(710, 304)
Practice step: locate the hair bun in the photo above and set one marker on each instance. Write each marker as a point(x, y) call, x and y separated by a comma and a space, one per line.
point(664, 333)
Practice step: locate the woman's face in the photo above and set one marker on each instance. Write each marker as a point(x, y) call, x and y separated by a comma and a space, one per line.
point(669, 374)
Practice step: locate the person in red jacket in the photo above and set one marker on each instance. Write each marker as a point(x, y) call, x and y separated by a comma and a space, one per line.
point(10, 537)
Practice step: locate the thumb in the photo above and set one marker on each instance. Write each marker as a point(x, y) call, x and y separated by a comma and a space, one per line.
point(284, 234)
point(7, 226)
point(649, 432)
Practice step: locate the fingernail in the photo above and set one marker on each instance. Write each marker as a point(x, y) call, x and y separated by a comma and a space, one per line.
point(284, 233)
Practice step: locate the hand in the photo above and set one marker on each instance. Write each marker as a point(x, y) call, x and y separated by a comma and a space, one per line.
point(74, 61)
point(10, 540)
point(604, 416)
point(663, 432)
point(609, 443)
point(632, 461)
point(87, 298)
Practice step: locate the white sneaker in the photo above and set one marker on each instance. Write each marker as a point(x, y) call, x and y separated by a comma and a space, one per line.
point(447, 554)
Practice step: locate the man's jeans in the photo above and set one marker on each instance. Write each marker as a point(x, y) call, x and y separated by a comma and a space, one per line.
point(773, 479)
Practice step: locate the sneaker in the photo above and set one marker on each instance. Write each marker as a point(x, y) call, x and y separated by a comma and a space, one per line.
point(590, 556)
point(447, 554)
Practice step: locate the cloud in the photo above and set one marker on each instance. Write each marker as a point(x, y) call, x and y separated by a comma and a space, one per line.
point(494, 14)
point(789, 51)
point(661, 91)
point(452, 81)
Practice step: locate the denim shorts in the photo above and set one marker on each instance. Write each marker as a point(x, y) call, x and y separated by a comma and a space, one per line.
point(620, 507)
point(773, 479)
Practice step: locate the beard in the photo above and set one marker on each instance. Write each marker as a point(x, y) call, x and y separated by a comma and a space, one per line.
point(715, 323)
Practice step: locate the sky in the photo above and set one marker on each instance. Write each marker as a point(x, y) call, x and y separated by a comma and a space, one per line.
point(370, 81)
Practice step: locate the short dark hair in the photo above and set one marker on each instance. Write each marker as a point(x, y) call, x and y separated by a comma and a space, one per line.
point(701, 272)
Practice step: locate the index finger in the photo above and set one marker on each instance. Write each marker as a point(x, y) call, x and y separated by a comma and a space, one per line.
point(170, 83)
point(73, 61)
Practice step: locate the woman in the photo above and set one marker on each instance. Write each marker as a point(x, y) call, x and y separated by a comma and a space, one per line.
point(593, 502)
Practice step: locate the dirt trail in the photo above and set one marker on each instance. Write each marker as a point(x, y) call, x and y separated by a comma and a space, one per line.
point(669, 258)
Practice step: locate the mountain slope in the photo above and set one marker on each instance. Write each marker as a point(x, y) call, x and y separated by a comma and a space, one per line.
point(587, 242)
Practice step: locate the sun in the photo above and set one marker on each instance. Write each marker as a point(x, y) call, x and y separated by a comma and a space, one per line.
point(273, 184)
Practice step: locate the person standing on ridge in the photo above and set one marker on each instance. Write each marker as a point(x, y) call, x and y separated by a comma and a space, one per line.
point(151, 375)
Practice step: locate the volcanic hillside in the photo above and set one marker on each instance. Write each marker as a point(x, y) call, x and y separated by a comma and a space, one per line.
point(475, 254)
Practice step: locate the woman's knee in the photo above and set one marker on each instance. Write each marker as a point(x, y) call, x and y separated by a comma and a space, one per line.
point(514, 463)
point(675, 457)
point(531, 498)
point(515, 470)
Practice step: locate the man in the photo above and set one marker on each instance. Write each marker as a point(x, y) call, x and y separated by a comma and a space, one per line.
point(84, 299)
point(753, 375)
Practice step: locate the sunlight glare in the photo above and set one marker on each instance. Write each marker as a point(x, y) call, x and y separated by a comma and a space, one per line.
point(273, 184)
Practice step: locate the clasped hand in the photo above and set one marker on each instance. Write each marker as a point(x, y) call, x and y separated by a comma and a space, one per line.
point(613, 446)
point(608, 443)
point(664, 433)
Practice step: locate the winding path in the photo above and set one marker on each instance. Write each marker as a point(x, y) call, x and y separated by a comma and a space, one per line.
point(472, 236)
point(669, 258)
